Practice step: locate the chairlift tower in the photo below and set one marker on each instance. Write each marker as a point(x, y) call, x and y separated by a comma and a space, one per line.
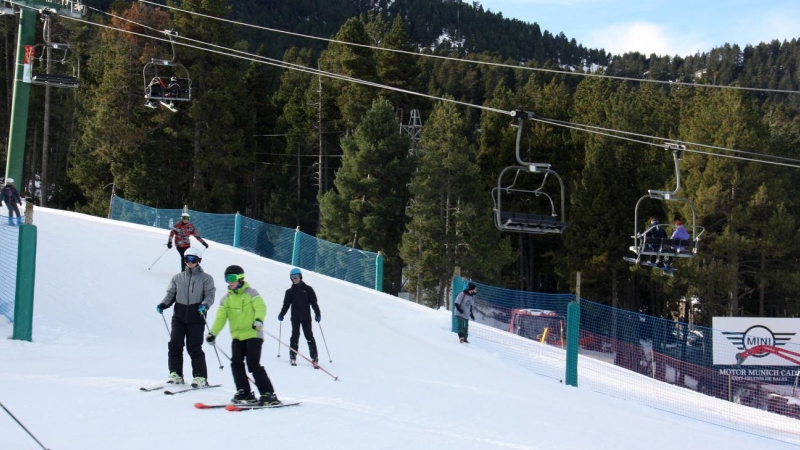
point(413, 130)
point(28, 12)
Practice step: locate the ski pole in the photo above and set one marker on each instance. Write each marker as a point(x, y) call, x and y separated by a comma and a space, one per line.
point(215, 347)
point(154, 262)
point(280, 328)
point(325, 342)
point(169, 333)
point(229, 359)
point(335, 378)
point(23, 426)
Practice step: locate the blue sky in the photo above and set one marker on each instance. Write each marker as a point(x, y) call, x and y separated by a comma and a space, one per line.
point(677, 27)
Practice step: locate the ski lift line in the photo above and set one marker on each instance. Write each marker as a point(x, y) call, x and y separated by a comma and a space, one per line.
point(294, 156)
point(284, 65)
point(487, 63)
point(713, 147)
point(589, 129)
point(268, 61)
point(301, 68)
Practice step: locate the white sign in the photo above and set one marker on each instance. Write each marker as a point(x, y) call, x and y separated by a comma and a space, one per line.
point(738, 336)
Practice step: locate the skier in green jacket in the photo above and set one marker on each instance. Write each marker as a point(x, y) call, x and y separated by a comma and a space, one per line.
point(244, 308)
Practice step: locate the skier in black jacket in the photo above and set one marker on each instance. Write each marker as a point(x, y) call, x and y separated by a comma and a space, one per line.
point(301, 298)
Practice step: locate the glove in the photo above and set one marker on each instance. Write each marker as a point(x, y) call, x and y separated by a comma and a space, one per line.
point(202, 309)
point(318, 318)
point(169, 244)
point(210, 338)
point(258, 325)
point(280, 318)
point(160, 308)
point(20, 203)
point(471, 316)
point(204, 244)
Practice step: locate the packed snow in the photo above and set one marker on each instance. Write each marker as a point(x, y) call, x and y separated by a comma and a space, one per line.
point(404, 381)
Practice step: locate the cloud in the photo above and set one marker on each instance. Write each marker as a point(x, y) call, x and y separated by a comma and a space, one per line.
point(645, 38)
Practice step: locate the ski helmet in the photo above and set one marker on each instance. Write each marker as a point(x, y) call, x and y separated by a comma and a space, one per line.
point(234, 273)
point(194, 253)
point(294, 272)
point(185, 215)
point(9, 180)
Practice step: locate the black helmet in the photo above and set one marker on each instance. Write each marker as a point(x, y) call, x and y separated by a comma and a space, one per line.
point(234, 273)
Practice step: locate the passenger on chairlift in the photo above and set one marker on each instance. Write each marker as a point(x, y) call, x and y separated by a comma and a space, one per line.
point(655, 233)
point(680, 234)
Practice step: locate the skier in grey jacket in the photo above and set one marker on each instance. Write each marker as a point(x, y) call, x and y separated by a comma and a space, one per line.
point(464, 303)
point(192, 292)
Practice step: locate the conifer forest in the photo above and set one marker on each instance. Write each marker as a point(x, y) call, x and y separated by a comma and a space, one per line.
point(305, 120)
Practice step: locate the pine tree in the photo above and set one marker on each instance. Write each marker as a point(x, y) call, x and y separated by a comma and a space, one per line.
point(366, 209)
point(450, 222)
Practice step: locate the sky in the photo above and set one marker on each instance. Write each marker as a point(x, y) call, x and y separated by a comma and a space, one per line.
point(676, 27)
point(404, 381)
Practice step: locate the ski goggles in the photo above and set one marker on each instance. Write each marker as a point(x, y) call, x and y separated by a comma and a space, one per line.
point(191, 259)
point(234, 277)
point(294, 277)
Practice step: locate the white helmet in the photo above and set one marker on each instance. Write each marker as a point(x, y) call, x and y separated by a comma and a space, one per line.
point(9, 180)
point(193, 252)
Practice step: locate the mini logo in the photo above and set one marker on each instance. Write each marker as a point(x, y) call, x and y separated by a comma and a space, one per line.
point(755, 336)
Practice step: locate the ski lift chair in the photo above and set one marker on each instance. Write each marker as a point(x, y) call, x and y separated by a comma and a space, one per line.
point(508, 190)
point(166, 81)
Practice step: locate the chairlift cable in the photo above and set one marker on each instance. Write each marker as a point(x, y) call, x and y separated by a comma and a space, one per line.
point(449, 58)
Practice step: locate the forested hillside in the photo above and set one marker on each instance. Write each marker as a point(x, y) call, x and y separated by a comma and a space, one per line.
point(324, 153)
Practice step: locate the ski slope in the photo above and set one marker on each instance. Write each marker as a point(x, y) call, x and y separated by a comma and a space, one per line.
point(404, 380)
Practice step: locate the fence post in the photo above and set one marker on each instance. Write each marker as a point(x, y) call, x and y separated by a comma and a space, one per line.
point(296, 248)
point(26, 275)
point(379, 272)
point(237, 229)
point(573, 336)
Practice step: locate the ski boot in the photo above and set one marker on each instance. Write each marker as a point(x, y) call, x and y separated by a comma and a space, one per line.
point(19, 220)
point(268, 399)
point(243, 397)
point(174, 378)
point(199, 382)
point(293, 361)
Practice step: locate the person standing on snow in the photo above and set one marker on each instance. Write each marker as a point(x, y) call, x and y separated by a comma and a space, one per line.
point(301, 298)
point(192, 292)
point(464, 303)
point(181, 232)
point(244, 308)
point(10, 195)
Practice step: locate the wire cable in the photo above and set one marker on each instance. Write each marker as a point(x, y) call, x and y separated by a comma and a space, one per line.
point(449, 58)
point(569, 125)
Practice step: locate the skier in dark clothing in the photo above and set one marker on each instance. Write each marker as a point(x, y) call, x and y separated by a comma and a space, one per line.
point(301, 298)
point(192, 292)
point(656, 234)
point(10, 195)
point(181, 233)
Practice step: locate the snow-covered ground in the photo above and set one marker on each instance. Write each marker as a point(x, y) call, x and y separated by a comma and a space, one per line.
point(404, 380)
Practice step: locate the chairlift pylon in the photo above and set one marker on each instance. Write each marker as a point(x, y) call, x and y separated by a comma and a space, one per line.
point(513, 188)
point(644, 244)
point(166, 81)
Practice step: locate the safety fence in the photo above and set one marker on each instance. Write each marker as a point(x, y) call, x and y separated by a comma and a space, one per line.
point(9, 244)
point(270, 241)
point(658, 362)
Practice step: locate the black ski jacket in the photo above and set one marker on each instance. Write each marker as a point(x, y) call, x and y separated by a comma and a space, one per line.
point(301, 297)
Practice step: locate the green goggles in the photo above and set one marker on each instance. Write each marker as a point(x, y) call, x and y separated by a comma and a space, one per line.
point(234, 277)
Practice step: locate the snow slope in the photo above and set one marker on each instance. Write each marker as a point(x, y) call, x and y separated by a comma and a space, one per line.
point(404, 380)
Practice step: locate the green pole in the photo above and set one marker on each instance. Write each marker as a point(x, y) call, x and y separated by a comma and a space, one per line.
point(379, 272)
point(21, 98)
point(573, 335)
point(26, 276)
point(296, 248)
point(237, 230)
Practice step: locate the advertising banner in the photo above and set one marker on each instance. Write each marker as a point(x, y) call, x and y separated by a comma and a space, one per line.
point(738, 336)
point(27, 64)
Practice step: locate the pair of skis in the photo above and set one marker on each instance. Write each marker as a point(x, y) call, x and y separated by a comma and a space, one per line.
point(243, 407)
point(175, 392)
